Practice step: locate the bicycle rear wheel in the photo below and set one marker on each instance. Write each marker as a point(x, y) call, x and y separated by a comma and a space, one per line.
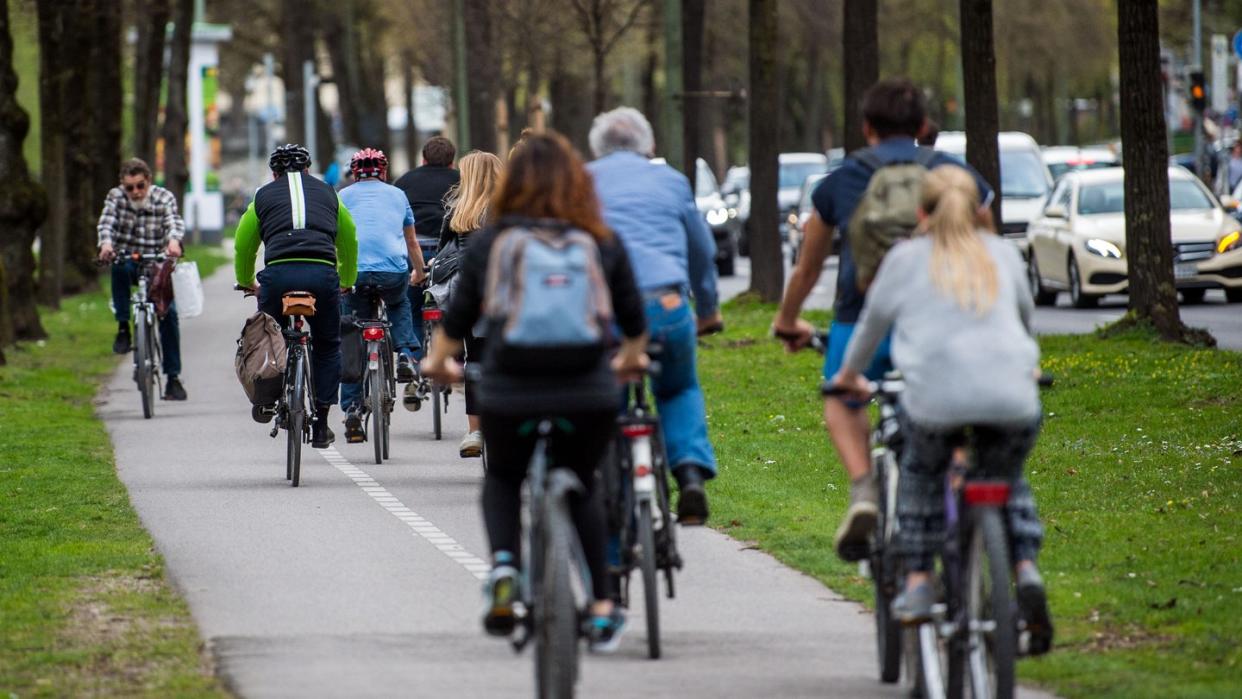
point(435, 410)
point(651, 588)
point(556, 615)
point(887, 628)
point(376, 378)
point(296, 424)
point(986, 659)
point(144, 361)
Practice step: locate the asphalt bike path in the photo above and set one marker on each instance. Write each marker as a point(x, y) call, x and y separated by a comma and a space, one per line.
point(365, 581)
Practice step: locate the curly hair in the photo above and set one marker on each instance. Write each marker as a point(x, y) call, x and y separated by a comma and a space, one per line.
point(546, 179)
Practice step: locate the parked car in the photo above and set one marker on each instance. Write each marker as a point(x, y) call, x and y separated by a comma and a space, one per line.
point(797, 220)
point(736, 192)
point(794, 169)
point(721, 218)
point(1062, 159)
point(1025, 180)
point(1078, 244)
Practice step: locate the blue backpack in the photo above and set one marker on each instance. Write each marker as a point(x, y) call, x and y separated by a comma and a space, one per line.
point(547, 302)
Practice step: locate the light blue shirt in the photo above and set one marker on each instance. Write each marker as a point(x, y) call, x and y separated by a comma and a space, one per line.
point(651, 208)
point(381, 212)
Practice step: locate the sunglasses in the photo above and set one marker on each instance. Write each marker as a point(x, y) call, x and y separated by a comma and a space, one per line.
point(136, 187)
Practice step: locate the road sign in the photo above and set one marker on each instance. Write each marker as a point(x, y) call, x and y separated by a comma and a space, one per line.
point(1237, 44)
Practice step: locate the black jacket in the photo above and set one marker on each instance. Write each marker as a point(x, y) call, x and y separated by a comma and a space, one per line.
point(297, 218)
point(425, 187)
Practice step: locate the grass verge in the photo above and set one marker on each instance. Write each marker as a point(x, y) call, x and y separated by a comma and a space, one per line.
point(85, 606)
point(1137, 474)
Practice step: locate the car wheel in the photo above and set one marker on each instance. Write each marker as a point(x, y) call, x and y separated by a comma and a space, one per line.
point(1192, 297)
point(1077, 296)
point(743, 243)
point(724, 266)
point(1042, 296)
point(1233, 295)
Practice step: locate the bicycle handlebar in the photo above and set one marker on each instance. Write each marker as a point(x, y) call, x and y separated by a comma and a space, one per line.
point(816, 342)
point(120, 256)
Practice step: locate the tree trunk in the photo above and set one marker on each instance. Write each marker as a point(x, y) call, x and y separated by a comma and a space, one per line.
point(651, 93)
point(767, 269)
point(979, 89)
point(692, 12)
point(52, 78)
point(1153, 296)
point(861, 65)
point(105, 91)
point(22, 207)
point(148, 74)
point(483, 64)
point(296, 49)
point(175, 117)
point(412, 144)
point(813, 121)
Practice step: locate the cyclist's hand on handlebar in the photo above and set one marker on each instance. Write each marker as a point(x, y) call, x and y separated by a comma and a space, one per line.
point(852, 384)
point(417, 277)
point(174, 248)
point(106, 253)
point(710, 325)
point(445, 371)
point(794, 337)
point(631, 366)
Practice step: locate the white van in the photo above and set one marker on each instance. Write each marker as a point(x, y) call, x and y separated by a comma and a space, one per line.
point(1025, 180)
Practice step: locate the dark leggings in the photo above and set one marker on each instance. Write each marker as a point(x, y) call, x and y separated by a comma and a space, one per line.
point(508, 456)
point(999, 450)
point(474, 355)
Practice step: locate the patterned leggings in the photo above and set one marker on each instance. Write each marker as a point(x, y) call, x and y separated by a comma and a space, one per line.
point(1000, 452)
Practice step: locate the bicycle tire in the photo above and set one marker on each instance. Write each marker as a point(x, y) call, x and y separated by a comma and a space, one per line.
point(143, 363)
point(556, 633)
point(376, 381)
point(887, 628)
point(651, 587)
point(435, 411)
point(296, 426)
point(390, 393)
point(987, 666)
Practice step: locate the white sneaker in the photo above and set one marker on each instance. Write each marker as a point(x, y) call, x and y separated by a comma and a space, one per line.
point(471, 445)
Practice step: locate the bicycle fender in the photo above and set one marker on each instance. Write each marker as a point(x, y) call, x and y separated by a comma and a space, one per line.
point(562, 482)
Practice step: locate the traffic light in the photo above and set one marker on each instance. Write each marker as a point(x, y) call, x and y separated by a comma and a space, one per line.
point(1198, 91)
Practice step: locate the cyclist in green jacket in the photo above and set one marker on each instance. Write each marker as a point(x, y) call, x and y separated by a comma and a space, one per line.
point(309, 244)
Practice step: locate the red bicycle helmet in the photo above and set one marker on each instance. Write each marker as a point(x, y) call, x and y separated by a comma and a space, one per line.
point(369, 162)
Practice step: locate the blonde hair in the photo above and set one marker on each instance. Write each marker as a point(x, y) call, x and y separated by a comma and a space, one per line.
point(469, 198)
point(961, 265)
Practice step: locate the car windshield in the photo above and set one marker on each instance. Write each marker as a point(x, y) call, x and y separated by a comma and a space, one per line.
point(1109, 198)
point(1022, 174)
point(794, 174)
point(1059, 169)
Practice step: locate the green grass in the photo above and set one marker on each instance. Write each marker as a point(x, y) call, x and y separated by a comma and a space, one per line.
point(1137, 474)
point(85, 606)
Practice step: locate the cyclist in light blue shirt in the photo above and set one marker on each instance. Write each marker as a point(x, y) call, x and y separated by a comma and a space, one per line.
point(389, 260)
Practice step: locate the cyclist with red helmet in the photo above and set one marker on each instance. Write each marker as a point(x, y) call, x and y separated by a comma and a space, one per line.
point(389, 259)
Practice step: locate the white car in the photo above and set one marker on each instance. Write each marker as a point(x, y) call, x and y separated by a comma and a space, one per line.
point(1063, 159)
point(794, 169)
point(1078, 244)
point(1025, 180)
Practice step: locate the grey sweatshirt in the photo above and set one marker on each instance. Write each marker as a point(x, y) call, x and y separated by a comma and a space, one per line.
point(960, 368)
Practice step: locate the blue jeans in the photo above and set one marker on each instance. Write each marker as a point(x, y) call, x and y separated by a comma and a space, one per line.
point(415, 295)
point(124, 277)
point(392, 288)
point(321, 280)
point(679, 398)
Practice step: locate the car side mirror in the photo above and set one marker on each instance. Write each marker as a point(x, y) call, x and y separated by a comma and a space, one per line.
point(1229, 203)
point(1055, 211)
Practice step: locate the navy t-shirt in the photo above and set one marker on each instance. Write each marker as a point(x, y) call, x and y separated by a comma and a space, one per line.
point(836, 197)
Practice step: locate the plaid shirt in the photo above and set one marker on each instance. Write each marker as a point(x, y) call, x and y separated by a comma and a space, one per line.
point(140, 230)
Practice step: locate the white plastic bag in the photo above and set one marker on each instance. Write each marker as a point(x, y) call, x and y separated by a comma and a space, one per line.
point(187, 289)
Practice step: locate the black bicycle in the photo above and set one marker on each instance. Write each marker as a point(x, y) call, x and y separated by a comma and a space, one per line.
point(637, 495)
point(147, 351)
point(295, 409)
point(379, 382)
point(557, 583)
point(432, 315)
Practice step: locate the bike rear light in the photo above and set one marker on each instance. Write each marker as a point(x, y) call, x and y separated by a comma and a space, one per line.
point(372, 333)
point(642, 470)
point(433, 314)
point(988, 493)
point(637, 430)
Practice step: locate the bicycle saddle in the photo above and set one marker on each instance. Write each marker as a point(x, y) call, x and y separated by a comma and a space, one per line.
point(298, 303)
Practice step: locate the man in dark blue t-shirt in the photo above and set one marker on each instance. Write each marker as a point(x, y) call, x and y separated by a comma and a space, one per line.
point(894, 115)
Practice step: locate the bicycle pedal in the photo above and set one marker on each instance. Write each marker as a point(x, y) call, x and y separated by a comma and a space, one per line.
point(275, 431)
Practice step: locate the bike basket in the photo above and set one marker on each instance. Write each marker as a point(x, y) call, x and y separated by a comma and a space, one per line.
point(298, 303)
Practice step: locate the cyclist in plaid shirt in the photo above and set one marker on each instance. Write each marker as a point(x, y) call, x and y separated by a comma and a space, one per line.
point(141, 217)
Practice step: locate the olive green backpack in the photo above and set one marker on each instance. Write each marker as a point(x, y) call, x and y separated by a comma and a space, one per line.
point(888, 210)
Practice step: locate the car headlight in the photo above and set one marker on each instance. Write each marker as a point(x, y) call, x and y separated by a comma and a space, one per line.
point(1103, 248)
point(1229, 242)
point(715, 217)
point(732, 213)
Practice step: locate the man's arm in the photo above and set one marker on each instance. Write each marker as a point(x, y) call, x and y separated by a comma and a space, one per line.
point(106, 229)
point(816, 245)
point(878, 314)
point(246, 247)
point(415, 251)
point(702, 251)
point(346, 246)
point(174, 226)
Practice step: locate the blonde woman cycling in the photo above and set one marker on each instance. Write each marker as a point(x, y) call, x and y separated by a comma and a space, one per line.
point(467, 211)
point(959, 308)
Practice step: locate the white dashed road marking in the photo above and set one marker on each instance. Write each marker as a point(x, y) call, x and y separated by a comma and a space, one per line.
point(420, 526)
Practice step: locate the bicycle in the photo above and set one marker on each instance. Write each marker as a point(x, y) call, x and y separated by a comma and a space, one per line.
point(556, 593)
point(636, 488)
point(379, 383)
point(147, 351)
point(297, 395)
point(432, 315)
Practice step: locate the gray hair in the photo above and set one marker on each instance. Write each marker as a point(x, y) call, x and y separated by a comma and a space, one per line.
point(622, 129)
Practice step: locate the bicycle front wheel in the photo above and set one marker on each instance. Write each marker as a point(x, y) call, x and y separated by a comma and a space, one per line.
point(377, 412)
point(651, 588)
point(556, 614)
point(296, 425)
point(144, 364)
point(986, 659)
point(435, 410)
